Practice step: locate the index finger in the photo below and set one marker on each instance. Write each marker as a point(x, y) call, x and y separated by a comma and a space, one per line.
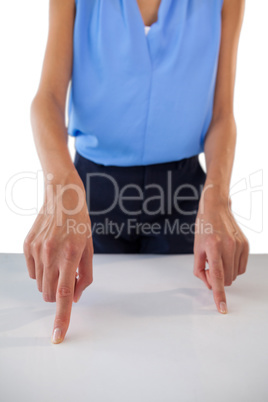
point(216, 274)
point(64, 301)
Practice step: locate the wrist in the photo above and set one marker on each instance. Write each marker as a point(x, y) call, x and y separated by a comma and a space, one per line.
point(60, 182)
point(214, 190)
point(214, 194)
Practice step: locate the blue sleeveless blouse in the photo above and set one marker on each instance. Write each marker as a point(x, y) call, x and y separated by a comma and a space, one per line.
point(139, 99)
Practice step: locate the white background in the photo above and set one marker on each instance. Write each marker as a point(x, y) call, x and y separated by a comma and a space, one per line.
point(24, 28)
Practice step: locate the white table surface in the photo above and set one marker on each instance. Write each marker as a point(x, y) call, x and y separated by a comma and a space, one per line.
point(146, 329)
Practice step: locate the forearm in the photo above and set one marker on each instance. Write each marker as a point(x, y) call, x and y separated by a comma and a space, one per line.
point(51, 137)
point(219, 151)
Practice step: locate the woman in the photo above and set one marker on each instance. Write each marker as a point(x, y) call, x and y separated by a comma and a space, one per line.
point(144, 102)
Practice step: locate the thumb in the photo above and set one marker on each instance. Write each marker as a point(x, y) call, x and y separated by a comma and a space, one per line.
point(85, 274)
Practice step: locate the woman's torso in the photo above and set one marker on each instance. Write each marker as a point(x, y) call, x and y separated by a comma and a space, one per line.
point(137, 99)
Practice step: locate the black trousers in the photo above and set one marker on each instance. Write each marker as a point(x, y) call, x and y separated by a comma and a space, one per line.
point(142, 209)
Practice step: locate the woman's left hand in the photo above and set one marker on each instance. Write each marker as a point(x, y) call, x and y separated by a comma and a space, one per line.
point(220, 242)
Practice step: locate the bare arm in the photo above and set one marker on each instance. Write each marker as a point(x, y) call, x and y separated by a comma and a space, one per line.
point(221, 137)
point(48, 105)
point(53, 251)
point(226, 249)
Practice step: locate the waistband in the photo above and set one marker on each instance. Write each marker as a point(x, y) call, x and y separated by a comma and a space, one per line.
point(173, 165)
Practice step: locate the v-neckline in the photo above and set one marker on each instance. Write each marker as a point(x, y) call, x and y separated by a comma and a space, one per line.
point(156, 23)
point(150, 45)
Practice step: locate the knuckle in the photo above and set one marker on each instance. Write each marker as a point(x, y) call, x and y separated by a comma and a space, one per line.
point(219, 295)
point(48, 261)
point(61, 321)
point(215, 261)
point(48, 246)
point(230, 243)
point(71, 250)
point(64, 291)
point(238, 241)
point(36, 246)
point(48, 265)
point(214, 241)
point(217, 273)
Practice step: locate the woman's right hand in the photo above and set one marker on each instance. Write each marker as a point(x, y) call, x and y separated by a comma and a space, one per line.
point(58, 243)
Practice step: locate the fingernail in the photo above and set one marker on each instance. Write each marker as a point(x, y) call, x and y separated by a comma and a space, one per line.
point(56, 335)
point(77, 300)
point(223, 307)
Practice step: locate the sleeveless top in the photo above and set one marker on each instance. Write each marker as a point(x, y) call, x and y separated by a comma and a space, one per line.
point(139, 99)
